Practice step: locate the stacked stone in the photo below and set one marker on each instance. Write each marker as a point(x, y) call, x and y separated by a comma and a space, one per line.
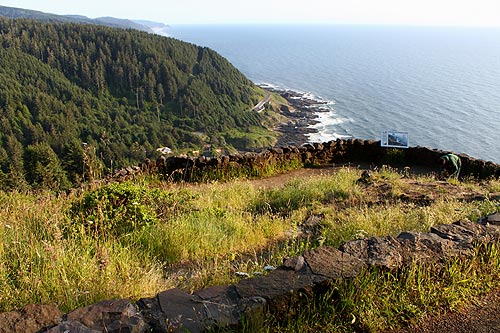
point(339, 151)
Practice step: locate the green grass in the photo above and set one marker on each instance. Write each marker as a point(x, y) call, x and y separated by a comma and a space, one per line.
point(392, 218)
point(233, 172)
point(133, 240)
point(38, 264)
point(376, 301)
point(310, 193)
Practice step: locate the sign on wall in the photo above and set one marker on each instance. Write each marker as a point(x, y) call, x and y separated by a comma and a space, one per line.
point(395, 139)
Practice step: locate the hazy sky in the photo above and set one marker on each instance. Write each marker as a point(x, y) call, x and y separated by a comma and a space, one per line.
point(415, 12)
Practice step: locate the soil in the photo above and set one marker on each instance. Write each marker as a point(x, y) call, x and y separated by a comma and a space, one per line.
point(480, 316)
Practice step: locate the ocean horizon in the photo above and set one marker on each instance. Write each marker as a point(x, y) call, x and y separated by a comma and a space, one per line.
point(439, 84)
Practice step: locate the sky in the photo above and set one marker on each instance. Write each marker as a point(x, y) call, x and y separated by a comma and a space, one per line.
point(412, 12)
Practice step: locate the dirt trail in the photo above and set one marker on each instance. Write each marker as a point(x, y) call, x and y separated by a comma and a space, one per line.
point(281, 179)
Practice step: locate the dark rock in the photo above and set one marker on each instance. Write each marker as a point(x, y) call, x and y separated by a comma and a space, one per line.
point(235, 157)
point(173, 311)
point(253, 307)
point(181, 311)
point(282, 289)
point(333, 263)
point(493, 219)
point(249, 156)
point(161, 161)
point(294, 263)
point(152, 314)
point(110, 316)
point(274, 285)
point(31, 318)
point(221, 307)
point(309, 147)
point(306, 157)
point(366, 178)
point(385, 252)
point(73, 327)
point(456, 233)
point(429, 247)
point(276, 151)
point(318, 146)
point(484, 233)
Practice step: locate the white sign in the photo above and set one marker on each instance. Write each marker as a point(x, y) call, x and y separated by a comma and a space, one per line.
point(165, 150)
point(395, 139)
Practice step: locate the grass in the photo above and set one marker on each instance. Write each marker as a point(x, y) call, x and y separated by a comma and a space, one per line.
point(133, 240)
point(377, 301)
point(232, 172)
point(39, 265)
point(393, 218)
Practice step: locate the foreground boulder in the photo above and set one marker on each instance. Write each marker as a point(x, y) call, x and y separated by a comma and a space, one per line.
point(111, 316)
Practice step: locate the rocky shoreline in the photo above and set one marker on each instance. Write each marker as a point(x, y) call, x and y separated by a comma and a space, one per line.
point(301, 114)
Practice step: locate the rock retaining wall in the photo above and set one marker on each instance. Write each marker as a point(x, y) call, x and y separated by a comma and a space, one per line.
point(339, 151)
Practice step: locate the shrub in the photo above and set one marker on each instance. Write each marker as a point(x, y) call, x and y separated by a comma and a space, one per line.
point(116, 209)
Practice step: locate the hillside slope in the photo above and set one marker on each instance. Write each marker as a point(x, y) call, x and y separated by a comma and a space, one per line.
point(120, 93)
point(16, 13)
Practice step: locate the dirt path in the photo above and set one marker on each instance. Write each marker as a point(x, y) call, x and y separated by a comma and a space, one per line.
point(281, 179)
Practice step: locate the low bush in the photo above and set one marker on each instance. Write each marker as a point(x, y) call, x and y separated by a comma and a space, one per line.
point(116, 209)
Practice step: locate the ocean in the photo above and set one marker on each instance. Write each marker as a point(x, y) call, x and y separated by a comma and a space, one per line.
point(439, 84)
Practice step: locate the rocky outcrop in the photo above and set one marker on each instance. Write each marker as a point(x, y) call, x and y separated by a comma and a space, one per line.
point(280, 292)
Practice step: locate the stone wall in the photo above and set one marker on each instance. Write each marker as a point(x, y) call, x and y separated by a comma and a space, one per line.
point(338, 152)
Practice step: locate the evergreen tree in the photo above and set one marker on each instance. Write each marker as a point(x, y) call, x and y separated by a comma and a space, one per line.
point(123, 92)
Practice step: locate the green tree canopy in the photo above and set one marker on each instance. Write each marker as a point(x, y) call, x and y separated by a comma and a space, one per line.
point(123, 92)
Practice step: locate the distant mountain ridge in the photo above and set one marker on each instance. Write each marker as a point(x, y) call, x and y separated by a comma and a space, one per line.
point(142, 25)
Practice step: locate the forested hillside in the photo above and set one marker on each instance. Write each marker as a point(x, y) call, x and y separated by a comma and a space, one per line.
point(16, 13)
point(72, 93)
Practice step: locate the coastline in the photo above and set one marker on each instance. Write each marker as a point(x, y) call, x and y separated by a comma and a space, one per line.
point(302, 113)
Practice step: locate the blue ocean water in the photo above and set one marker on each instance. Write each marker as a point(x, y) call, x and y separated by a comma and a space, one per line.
point(439, 84)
